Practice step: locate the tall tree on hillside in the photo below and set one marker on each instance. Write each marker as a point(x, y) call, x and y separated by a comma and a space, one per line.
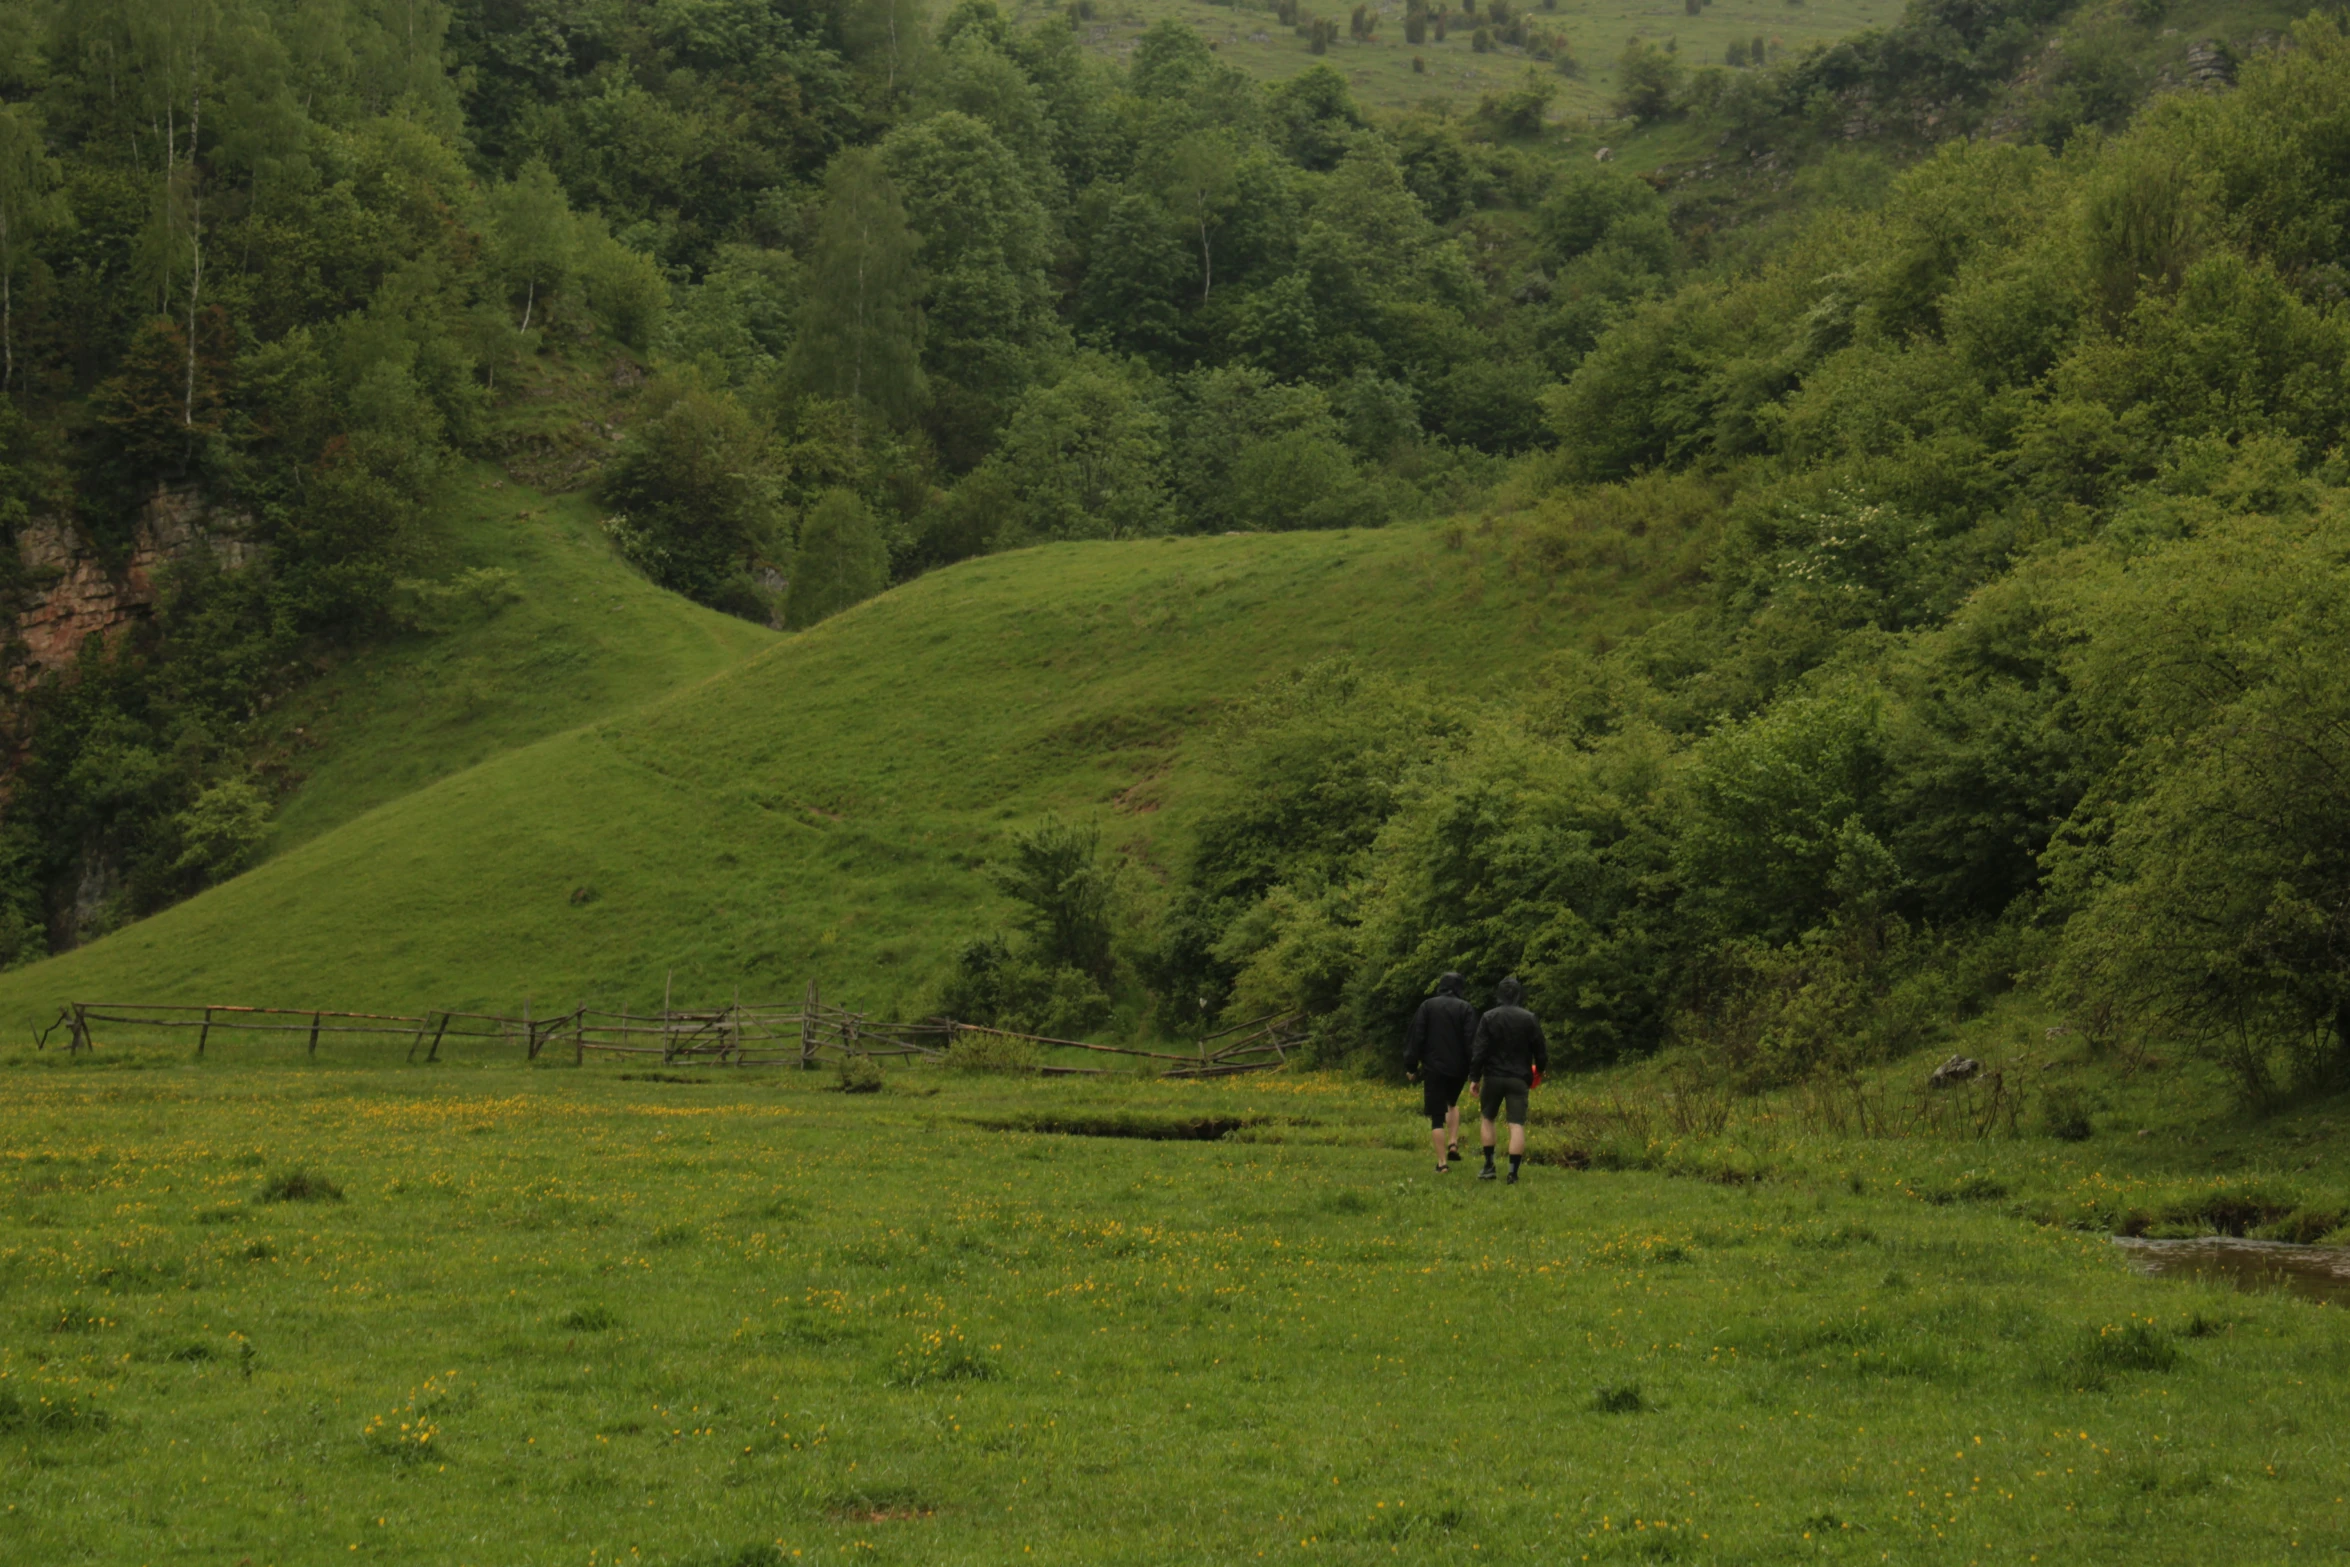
point(537, 236)
point(842, 558)
point(986, 244)
point(884, 37)
point(860, 333)
point(1200, 183)
point(30, 205)
point(176, 50)
point(1086, 458)
point(1646, 80)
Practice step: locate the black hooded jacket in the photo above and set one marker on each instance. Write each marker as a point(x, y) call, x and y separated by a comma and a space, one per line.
point(1509, 1040)
point(1440, 1032)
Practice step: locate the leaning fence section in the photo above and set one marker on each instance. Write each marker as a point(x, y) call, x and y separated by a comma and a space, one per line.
point(739, 1034)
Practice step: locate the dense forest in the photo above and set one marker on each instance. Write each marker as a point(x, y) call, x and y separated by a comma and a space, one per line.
point(2018, 501)
point(2001, 431)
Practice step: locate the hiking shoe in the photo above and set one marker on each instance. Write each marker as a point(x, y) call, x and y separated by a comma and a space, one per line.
point(1486, 1174)
point(1513, 1177)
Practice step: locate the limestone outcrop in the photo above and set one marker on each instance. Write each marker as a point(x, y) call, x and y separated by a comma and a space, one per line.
point(76, 594)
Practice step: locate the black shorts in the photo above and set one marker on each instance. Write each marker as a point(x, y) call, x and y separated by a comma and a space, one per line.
point(1438, 1095)
point(1500, 1092)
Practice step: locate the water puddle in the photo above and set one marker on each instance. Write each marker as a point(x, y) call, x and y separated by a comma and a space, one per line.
point(2318, 1273)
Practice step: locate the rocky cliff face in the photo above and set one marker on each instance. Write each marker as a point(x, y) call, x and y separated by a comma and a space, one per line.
point(76, 595)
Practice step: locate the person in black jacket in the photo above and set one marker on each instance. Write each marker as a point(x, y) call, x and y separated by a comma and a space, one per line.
point(1436, 1049)
point(1503, 1057)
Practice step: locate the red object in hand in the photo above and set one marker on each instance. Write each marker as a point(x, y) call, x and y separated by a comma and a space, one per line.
point(1537, 1076)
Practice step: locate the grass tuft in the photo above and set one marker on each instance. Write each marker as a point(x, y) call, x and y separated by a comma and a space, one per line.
point(940, 1355)
point(2135, 1345)
point(57, 1414)
point(299, 1185)
point(1624, 1400)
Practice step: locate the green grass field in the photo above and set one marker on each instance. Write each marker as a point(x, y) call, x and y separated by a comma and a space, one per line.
point(1455, 75)
point(559, 1315)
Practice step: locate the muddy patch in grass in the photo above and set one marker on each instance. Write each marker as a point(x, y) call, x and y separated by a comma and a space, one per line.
point(1148, 1128)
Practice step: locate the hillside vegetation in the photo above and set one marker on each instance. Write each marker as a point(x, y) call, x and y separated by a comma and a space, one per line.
point(823, 810)
point(1995, 515)
point(1581, 42)
point(817, 297)
point(2026, 497)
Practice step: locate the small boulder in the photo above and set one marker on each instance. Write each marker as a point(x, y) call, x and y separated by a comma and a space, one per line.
point(1956, 1070)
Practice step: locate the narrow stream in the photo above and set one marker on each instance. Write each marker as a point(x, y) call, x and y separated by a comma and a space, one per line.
point(2318, 1273)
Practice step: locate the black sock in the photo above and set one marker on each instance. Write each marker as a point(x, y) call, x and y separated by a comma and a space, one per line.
point(1489, 1156)
point(1515, 1160)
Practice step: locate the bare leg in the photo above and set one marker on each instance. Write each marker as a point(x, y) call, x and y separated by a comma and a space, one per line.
point(1436, 1141)
point(1517, 1139)
point(1485, 1134)
point(1452, 1125)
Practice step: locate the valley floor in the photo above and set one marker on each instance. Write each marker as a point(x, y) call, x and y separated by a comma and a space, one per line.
point(571, 1315)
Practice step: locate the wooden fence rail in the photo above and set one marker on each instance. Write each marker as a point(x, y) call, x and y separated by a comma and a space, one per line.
point(733, 1035)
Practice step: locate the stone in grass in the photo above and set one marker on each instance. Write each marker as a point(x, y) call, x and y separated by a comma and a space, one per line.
point(1956, 1070)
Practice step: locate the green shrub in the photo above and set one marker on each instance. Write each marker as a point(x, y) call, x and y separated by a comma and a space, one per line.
point(2064, 1115)
point(992, 1053)
point(859, 1075)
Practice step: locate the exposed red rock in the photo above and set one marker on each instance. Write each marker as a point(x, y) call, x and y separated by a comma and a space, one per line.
point(83, 598)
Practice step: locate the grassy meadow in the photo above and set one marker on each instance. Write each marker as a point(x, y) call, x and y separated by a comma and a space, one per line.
point(1380, 69)
point(582, 1316)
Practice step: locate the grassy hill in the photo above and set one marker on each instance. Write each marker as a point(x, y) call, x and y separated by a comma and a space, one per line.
point(574, 634)
point(821, 810)
point(1380, 68)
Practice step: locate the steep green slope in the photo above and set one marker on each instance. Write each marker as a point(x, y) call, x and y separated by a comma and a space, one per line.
point(1455, 72)
point(823, 810)
point(573, 635)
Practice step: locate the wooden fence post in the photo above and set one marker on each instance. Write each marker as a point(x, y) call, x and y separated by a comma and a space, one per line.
point(579, 1036)
point(205, 1032)
point(668, 1045)
point(434, 1054)
point(314, 1019)
point(530, 1033)
point(80, 1038)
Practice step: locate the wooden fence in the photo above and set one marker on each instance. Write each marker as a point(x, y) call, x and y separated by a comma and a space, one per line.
point(736, 1034)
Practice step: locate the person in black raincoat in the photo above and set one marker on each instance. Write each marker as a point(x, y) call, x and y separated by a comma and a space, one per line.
point(1507, 1058)
point(1436, 1050)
